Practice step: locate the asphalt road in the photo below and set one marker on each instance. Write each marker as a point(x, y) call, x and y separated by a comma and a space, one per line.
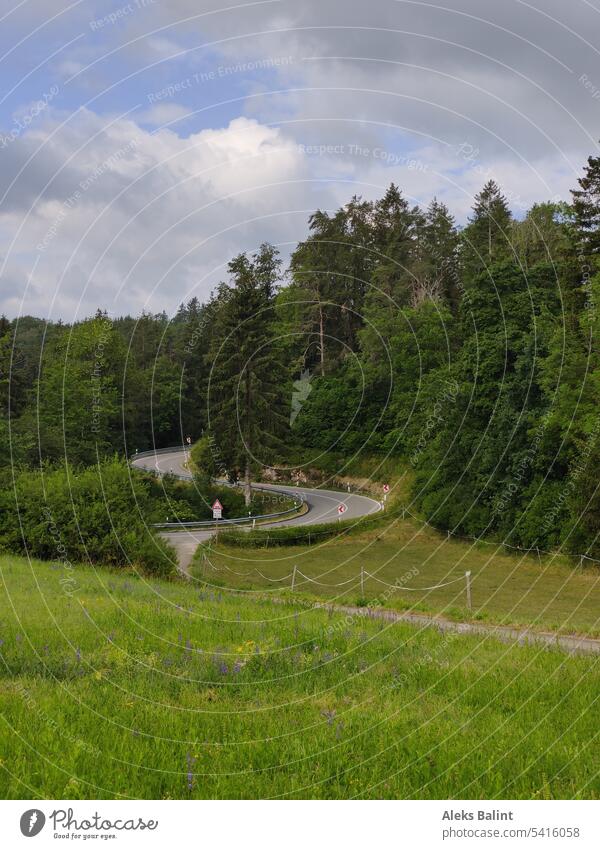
point(322, 504)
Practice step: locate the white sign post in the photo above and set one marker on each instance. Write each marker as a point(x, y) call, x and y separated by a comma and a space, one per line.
point(217, 509)
point(386, 489)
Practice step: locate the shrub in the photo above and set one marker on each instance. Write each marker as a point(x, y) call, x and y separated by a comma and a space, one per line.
point(96, 514)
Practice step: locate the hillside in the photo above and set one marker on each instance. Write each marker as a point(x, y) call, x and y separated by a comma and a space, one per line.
point(156, 689)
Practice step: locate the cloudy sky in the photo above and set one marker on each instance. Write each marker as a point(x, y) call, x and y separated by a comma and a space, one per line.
point(144, 143)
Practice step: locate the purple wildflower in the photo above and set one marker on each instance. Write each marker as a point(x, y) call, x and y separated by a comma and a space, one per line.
point(190, 762)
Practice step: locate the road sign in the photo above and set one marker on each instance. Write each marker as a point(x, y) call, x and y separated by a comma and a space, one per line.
point(386, 488)
point(217, 509)
point(188, 439)
point(342, 509)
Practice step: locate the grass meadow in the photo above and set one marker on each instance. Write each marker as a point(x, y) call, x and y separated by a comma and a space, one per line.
point(549, 592)
point(156, 689)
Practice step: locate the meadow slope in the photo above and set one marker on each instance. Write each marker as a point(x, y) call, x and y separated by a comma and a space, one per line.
point(169, 690)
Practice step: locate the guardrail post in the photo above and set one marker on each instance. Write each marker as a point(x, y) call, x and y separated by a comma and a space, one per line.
point(293, 577)
point(468, 580)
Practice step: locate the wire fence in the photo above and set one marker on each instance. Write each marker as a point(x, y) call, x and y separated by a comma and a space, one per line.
point(295, 578)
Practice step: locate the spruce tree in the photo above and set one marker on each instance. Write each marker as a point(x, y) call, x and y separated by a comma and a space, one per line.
point(486, 239)
point(246, 415)
point(586, 202)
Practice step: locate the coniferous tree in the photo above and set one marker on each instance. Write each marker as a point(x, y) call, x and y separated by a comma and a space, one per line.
point(246, 382)
point(486, 239)
point(586, 202)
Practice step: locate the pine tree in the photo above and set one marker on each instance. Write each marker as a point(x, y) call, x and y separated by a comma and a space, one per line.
point(247, 379)
point(486, 239)
point(436, 274)
point(586, 201)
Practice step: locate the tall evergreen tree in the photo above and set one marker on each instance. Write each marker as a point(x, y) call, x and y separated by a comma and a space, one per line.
point(586, 202)
point(486, 239)
point(247, 379)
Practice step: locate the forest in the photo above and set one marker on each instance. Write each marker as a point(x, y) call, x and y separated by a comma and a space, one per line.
point(468, 353)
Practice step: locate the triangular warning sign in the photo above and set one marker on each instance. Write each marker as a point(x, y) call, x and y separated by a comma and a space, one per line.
point(217, 505)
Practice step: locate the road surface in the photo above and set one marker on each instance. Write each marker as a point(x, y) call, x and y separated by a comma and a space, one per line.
point(322, 504)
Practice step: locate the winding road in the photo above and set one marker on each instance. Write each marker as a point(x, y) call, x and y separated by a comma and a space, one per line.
point(322, 503)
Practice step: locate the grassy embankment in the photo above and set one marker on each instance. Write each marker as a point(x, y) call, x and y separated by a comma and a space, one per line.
point(549, 592)
point(164, 690)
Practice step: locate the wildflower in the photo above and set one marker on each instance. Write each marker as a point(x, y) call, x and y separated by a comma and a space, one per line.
point(329, 715)
point(190, 762)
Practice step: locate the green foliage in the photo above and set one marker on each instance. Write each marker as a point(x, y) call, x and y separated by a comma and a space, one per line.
point(203, 459)
point(471, 355)
point(247, 379)
point(97, 514)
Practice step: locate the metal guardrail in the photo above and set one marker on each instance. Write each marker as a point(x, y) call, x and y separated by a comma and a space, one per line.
point(210, 523)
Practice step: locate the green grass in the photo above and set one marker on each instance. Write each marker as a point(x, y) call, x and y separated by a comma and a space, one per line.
point(550, 593)
point(171, 690)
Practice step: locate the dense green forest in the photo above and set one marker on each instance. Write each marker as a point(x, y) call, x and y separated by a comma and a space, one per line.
point(470, 354)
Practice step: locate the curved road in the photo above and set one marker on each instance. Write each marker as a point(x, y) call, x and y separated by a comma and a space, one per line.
point(322, 503)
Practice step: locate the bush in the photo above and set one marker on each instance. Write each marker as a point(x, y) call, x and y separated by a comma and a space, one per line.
point(306, 534)
point(96, 514)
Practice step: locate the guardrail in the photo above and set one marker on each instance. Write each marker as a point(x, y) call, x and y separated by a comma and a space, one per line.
point(210, 523)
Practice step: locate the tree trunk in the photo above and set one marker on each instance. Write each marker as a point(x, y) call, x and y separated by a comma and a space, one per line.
point(247, 481)
point(247, 485)
point(322, 340)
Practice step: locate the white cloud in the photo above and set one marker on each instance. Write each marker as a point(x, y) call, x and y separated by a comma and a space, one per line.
point(146, 218)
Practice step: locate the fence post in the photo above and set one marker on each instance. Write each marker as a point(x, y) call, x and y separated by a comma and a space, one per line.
point(362, 582)
point(538, 555)
point(468, 580)
point(293, 577)
point(448, 534)
point(253, 523)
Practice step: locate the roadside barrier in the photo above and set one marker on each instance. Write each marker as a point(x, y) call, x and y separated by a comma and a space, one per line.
point(358, 580)
point(210, 523)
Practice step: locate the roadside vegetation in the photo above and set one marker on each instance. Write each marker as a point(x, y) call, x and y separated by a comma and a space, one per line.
point(398, 557)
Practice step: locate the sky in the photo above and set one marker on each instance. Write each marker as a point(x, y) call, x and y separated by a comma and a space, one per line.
point(143, 144)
